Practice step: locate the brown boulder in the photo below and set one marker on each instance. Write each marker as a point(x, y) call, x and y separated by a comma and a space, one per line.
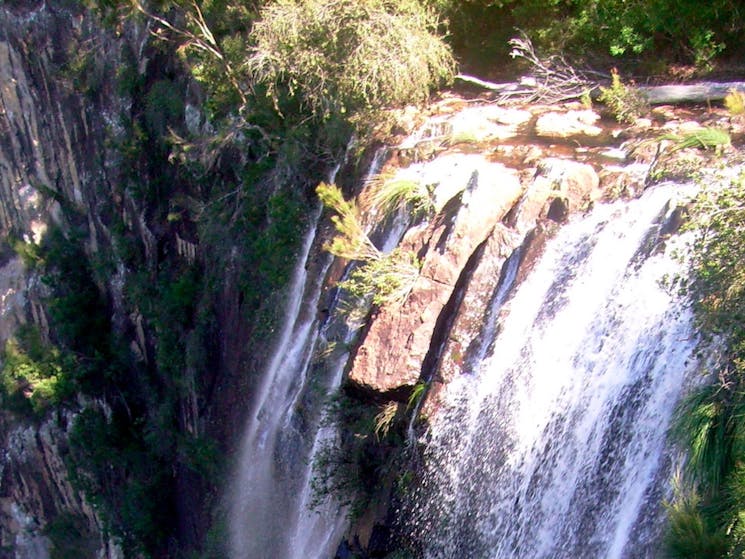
point(389, 358)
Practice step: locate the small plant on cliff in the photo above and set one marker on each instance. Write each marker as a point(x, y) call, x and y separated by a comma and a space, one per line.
point(387, 277)
point(388, 194)
point(625, 102)
point(384, 419)
point(352, 241)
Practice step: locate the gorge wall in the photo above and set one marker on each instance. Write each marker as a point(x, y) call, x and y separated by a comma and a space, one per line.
point(167, 276)
point(155, 280)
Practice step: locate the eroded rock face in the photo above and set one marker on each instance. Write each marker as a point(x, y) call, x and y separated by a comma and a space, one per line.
point(34, 489)
point(535, 186)
point(390, 357)
point(54, 143)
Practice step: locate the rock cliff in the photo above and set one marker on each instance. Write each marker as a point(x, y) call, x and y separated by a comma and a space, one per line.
point(184, 265)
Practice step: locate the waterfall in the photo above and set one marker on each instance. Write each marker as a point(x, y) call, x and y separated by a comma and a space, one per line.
point(272, 514)
point(553, 443)
point(264, 493)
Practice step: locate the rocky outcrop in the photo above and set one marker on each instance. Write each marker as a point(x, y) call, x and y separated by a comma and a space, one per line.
point(391, 355)
point(516, 196)
point(567, 124)
point(60, 124)
point(35, 489)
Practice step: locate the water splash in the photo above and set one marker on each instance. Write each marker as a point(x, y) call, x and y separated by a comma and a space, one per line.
point(554, 446)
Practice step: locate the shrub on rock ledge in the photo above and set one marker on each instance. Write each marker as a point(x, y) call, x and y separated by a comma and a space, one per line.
point(349, 57)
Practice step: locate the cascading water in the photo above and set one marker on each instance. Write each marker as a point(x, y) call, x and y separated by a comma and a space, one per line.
point(272, 511)
point(554, 444)
point(263, 497)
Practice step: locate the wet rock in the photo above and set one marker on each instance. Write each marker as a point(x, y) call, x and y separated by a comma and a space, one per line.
point(490, 122)
point(389, 359)
point(558, 210)
point(577, 184)
point(568, 124)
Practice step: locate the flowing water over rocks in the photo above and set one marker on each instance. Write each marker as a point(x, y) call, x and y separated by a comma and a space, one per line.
point(554, 444)
point(552, 354)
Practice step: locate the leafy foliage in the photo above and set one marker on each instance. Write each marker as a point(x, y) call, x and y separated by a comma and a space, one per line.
point(352, 241)
point(719, 284)
point(353, 467)
point(387, 277)
point(705, 138)
point(690, 534)
point(35, 375)
point(735, 102)
point(625, 102)
point(349, 57)
point(388, 194)
point(708, 519)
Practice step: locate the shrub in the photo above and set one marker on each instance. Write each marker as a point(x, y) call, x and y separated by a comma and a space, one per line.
point(735, 102)
point(389, 277)
point(352, 241)
point(690, 535)
point(711, 422)
point(625, 102)
point(389, 194)
point(34, 375)
point(349, 57)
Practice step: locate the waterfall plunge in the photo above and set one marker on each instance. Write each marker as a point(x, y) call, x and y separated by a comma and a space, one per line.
point(554, 445)
point(271, 511)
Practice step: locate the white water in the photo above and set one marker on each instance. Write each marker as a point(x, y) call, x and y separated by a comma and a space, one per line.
point(554, 445)
point(272, 514)
point(263, 493)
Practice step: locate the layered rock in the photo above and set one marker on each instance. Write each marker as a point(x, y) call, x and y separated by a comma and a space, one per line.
point(35, 489)
point(391, 355)
point(519, 189)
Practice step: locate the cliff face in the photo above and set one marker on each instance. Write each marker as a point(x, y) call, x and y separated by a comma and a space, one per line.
point(153, 279)
point(82, 104)
point(52, 138)
point(183, 268)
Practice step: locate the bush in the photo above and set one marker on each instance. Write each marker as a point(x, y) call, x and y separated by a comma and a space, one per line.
point(625, 102)
point(349, 57)
point(35, 375)
point(388, 277)
point(711, 422)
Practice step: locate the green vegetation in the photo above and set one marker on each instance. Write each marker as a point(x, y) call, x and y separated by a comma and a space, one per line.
point(388, 195)
point(633, 31)
point(384, 419)
point(359, 466)
point(286, 84)
point(388, 277)
point(706, 519)
point(625, 102)
point(735, 102)
point(349, 56)
point(35, 375)
point(70, 537)
point(705, 138)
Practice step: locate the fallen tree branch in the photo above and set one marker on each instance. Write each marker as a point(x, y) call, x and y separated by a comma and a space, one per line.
point(491, 86)
point(553, 80)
